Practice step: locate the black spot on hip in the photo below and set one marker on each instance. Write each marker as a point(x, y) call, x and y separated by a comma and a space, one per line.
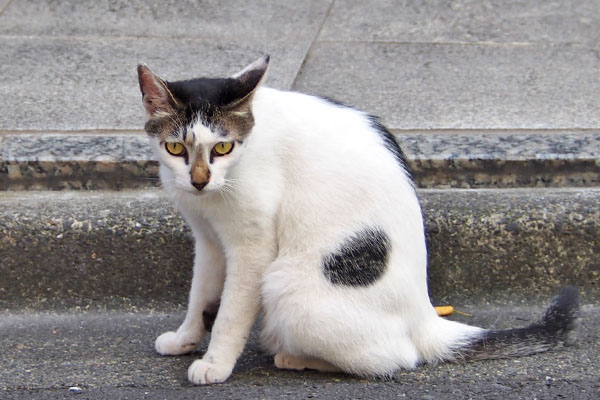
point(360, 260)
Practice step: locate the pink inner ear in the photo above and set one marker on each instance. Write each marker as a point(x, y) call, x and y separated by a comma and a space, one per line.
point(155, 96)
point(148, 84)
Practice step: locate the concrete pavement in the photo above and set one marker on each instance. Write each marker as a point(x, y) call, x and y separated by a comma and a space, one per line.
point(111, 356)
point(438, 65)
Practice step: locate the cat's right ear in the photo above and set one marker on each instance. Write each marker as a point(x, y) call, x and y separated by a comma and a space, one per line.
point(250, 78)
point(157, 98)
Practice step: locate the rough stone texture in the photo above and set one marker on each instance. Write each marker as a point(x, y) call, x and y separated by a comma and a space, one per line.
point(111, 355)
point(125, 161)
point(69, 83)
point(459, 21)
point(74, 162)
point(100, 250)
point(461, 86)
point(3, 5)
point(243, 21)
point(105, 250)
point(71, 65)
point(511, 243)
point(504, 160)
point(464, 64)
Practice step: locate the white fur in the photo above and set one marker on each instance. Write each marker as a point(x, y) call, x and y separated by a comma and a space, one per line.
point(309, 175)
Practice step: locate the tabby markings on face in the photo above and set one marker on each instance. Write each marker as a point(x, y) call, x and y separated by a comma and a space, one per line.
point(202, 119)
point(200, 170)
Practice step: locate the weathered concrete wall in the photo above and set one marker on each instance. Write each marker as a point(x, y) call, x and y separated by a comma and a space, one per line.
point(130, 249)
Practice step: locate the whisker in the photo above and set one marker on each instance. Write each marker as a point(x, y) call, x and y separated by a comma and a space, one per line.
point(227, 192)
point(234, 180)
point(233, 183)
point(148, 178)
point(169, 185)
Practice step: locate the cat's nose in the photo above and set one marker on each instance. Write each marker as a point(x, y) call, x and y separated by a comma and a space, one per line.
point(200, 185)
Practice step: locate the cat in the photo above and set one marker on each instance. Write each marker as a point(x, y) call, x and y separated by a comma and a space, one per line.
point(303, 209)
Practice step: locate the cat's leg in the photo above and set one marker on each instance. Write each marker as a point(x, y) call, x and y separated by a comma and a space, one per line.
point(207, 285)
point(240, 303)
point(287, 361)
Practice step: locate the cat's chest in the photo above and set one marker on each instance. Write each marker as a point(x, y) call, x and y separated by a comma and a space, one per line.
point(231, 215)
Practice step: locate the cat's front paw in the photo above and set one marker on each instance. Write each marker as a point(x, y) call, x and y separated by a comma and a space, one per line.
point(203, 372)
point(174, 344)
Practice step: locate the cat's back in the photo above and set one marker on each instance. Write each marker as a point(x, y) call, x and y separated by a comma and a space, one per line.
point(313, 134)
point(336, 165)
point(296, 113)
point(316, 127)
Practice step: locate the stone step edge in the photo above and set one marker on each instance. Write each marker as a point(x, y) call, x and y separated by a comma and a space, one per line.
point(117, 161)
point(113, 250)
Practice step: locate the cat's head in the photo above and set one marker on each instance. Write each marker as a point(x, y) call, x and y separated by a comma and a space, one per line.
point(198, 126)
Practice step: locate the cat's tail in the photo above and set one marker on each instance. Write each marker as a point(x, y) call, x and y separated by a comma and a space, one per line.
point(554, 330)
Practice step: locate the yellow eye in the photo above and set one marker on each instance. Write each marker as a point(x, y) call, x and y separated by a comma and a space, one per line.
point(176, 149)
point(223, 148)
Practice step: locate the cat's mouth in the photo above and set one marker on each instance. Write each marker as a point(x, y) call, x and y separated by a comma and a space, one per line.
point(204, 191)
point(197, 192)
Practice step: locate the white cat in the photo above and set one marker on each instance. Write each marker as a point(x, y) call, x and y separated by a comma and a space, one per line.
point(303, 208)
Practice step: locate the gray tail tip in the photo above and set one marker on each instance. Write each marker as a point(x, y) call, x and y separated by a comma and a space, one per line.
point(563, 310)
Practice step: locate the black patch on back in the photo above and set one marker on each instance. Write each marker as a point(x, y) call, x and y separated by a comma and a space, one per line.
point(390, 143)
point(360, 260)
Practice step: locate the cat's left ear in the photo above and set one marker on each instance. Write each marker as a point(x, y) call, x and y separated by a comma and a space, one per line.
point(156, 96)
point(250, 78)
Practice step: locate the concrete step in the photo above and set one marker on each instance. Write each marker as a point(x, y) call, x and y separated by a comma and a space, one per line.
point(95, 250)
point(111, 356)
point(82, 74)
point(440, 65)
point(438, 159)
point(459, 86)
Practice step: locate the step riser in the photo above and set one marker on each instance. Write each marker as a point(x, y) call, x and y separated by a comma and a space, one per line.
point(120, 161)
point(512, 244)
point(92, 175)
point(120, 250)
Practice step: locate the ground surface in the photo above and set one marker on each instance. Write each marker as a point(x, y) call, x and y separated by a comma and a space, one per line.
point(111, 355)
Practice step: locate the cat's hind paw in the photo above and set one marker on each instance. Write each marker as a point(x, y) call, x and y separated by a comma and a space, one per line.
point(172, 344)
point(203, 372)
point(287, 361)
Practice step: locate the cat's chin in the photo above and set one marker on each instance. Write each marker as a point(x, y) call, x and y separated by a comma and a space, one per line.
point(200, 193)
point(196, 193)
